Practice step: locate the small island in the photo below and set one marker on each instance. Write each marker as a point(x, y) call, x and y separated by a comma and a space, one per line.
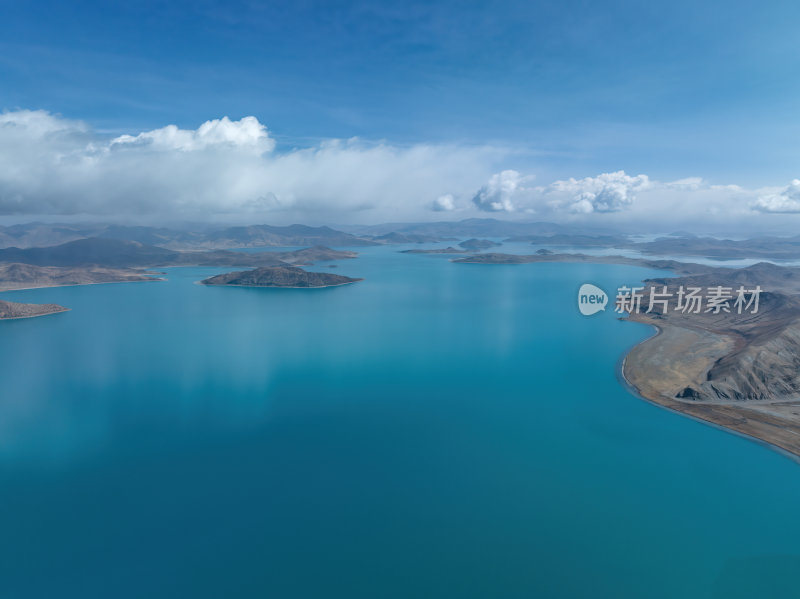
point(479, 244)
point(13, 310)
point(290, 277)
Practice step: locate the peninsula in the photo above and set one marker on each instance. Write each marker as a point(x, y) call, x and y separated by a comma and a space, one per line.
point(13, 310)
point(27, 276)
point(738, 371)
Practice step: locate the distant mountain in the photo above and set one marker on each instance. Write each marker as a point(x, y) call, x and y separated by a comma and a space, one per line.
point(395, 237)
point(279, 276)
point(771, 277)
point(263, 235)
point(41, 234)
point(292, 235)
point(471, 227)
point(574, 240)
point(94, 251)
point(318, 253)
point(115, 253)
point(151, 235)
point(44, 235)
point(774, 248)
point(210, 237)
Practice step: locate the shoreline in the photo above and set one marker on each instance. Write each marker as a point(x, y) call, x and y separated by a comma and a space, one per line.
point(777, 429)
point(673, 405)
point(80, 284)
point(36, 315)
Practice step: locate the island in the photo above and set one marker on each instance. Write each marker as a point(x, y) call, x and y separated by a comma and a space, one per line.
point(14, 310)
point(402, 238)
point(478, 244)
point(740, 371)
point(290, 277)
point(447, 250)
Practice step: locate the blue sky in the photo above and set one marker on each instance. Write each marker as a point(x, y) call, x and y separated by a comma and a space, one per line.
point(568, 89)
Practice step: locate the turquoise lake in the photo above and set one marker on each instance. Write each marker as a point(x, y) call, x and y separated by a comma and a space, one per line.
point(436, 430)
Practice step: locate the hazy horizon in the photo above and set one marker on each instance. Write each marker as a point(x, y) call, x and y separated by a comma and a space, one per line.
point(377, 228)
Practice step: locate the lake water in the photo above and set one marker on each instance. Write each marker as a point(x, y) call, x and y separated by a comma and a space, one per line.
point(437, 430)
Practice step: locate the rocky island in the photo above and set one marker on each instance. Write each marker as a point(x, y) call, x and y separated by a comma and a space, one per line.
point(738, 371)
point(279, 276)
point(478, 244)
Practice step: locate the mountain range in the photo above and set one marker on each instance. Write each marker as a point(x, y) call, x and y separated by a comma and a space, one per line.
point(116, 253)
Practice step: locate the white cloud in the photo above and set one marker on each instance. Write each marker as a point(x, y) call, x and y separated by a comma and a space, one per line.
point(231, 169)
point(499, 192)
point(246, 133)
point(56, 166)
point(445, 203)
point(619, 199)
point(688, 184)
point(37, 124)
point(607, 192)
point(785, 201)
